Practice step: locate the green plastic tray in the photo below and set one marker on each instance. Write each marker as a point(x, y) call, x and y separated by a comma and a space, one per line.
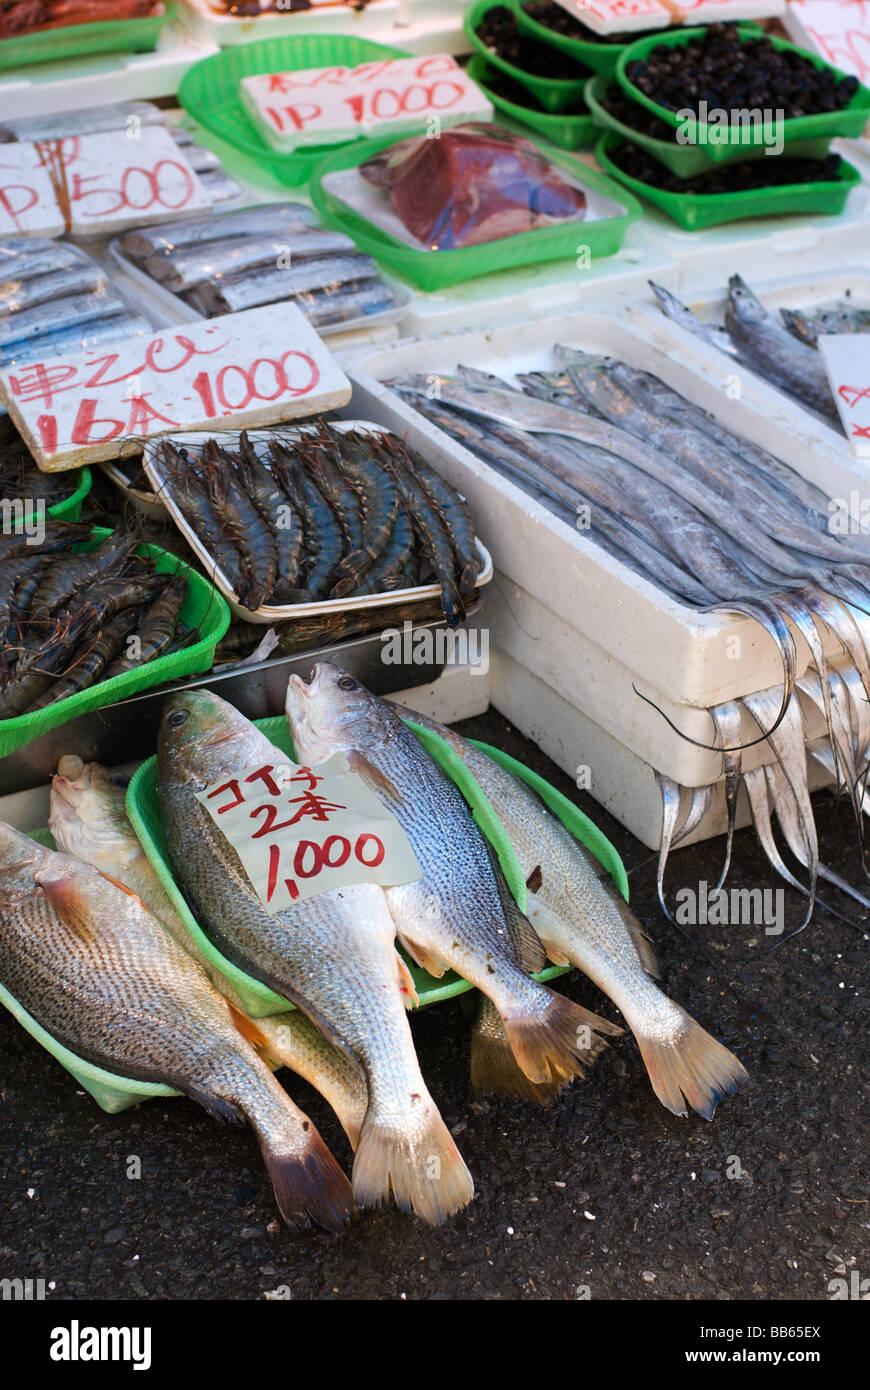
point(848, 123)
point(113, 1093)
point(76, 40)
point(434, 270)
point(203, 607)
point(209, 92)
point(555, 94)
point(600, 57)
point(695, 211)
point(687, 160)
point(564, 131)
point(70, 509)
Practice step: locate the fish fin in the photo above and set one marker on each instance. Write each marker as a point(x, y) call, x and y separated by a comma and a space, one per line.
point(123, 887)
point(493, 1065)
point(63, 895)
point(528, 948)
point(550, 1045)
point(423, 1168)
point(641, 942)
point(309, 1187)
point(377, 780)
point(426, 961)
point(407, 988)
point(690, 1067)
point(248, 1028)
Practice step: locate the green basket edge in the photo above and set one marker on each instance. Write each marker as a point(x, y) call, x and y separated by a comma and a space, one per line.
point(78, 40)
point(601, 57)
point(698, 211)
point(23, 728)
point(793, 126)
point(291, 168)
point(552, 92)
point(565, 131)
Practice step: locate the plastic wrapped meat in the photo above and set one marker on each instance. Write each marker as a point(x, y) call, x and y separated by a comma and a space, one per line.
point(475, 183)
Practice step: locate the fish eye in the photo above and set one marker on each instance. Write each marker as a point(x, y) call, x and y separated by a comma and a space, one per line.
point(348, 683)
point(177, 718)
point(119, 779)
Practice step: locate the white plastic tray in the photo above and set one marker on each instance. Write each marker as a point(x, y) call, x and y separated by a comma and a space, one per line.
point(420, 26)
point(277, 613)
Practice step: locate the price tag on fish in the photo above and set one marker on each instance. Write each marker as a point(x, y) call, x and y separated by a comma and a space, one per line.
point(241, 370)
point(300, 831)
point(95, 185)
point(623, 16)
point(847, 362)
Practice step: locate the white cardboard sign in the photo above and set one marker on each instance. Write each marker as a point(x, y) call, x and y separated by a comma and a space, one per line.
point(301, 831)
point(838, 30)
point(623, 16)
point(847, 362)
point(328, 105)
point(95, 185)
point(257, 367)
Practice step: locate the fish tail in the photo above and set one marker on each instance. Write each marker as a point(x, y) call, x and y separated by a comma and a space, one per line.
point(689, 1066)
point(309, 1186)
point(553, 1042)
point(493, 1065)
point(423, 1169)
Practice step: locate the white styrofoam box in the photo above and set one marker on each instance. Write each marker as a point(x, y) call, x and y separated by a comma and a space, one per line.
point(590, 679)
point(619, 780)
point(676, 649)
point(421, 26)
point(817, 450)
point(95, 78)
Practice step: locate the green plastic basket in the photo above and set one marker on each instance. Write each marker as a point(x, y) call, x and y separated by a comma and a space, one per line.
point(564, 131)
point(70, 508)
point(595, 54)
point(435, 270)
point(554, 94)
point(77, 40)
point(848, 123)
point(686, 160)
point(203, 608)
point(209, 92)
point(696, 211)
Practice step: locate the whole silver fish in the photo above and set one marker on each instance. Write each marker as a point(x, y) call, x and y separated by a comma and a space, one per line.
point(56, 256)
point(45, 321)
point(78, 336)
point(215, 260)
point(582, 923)
point(17, 295)
point(461, 913)
point(267, 286)
point(88, 820)
point(104, 977)
point(333, 956)
point(709, 333)
point(808, 328)
point(269, 219)
point(768, 347)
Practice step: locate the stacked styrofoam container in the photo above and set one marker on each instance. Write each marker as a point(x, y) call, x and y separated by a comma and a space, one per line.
point(579, 638)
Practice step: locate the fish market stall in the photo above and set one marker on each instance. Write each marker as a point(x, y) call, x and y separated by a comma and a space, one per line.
point(434, 651)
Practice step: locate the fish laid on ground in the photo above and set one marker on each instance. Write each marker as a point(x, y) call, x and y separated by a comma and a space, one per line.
point(580, 922)
point(332, 955)
point(105, 978)
point(88, 820)
point(461, 914)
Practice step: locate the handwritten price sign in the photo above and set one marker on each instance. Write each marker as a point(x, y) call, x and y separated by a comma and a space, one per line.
point(95, 185)
point(238, 371)
point(618, 16)
point(327, 105)
point(300, 831)
point(838, 30)
point(847, 362)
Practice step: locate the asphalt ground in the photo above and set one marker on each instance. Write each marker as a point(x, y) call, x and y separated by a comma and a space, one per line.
point(604, 1195)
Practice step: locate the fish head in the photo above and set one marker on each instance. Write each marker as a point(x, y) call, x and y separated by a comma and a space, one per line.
point(203, 738)
point(745, 304)
point(88, 816)
point(333, 713)
point(20, 858)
